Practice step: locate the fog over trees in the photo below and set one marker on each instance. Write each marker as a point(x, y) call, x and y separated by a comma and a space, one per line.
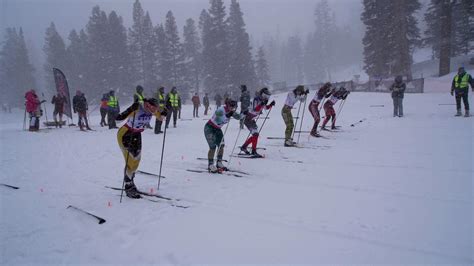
point(216, 45)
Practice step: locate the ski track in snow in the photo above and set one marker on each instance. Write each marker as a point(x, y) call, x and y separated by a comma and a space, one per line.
point(388, 190)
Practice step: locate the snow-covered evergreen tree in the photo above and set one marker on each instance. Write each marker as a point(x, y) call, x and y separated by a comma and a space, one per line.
point(215, 48)
point(176, 53)
point(55, 51)
point(192, 52)
point(16, 71)
point(99, 52)
point(241, 67)
point(78, 61)
point(261, 69)
point(404, 36)
point(293, 63)
point(119, 61)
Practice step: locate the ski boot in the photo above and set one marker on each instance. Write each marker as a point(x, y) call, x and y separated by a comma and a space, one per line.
point(333, 127)
point(220, 166)
point(212, 169)
point(255, 154)
point(244, 150)
point(131, 190)
point(315, 134)
point(324, 128)
point(289, 143)
point(458, 113)
point(466, 114)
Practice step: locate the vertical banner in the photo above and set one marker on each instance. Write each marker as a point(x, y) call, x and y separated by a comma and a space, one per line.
point(63, 89)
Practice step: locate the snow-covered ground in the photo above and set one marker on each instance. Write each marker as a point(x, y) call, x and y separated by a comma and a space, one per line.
point(388, 190)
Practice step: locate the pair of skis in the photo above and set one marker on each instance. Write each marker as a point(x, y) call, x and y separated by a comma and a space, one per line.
point(150, 196)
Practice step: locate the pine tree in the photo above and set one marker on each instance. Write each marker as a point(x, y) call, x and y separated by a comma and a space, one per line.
point(241, 67)
point(376, 54)
point(55, 51)
point(176, 53)
point(149, 60)
point(162, 56)
point(461, 29)
point(16, 72)
point(205, 27)
point(261, 69)
point(293, 61)
point(78, 61)
point(192, 48)
point(137, 43)
point(119, 61)
point(323, 39)
point(403, 37)
point(215, 48)
point(100, 56)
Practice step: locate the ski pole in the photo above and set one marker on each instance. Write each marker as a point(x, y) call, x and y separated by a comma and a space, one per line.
point(235, 144)
point(24, 120)
point(126, 162)
point(296, 122)
point(263, 123)
point(161, 160)
point(302, 117)
point(222, 140)
point(340, 111)
point(45, 110)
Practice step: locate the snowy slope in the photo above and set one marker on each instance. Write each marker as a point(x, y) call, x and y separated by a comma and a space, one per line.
point(388, 190)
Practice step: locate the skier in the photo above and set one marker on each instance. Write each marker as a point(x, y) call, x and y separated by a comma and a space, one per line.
point(314, 107)
point(398, 90)
point(214, 135)
point(139, 98)
point(130, 140)
point(244, 102)
point(298, 94)
point(160, 97)
point(460, 86)
point(172, 105)
point(58, 100)
point(259, 103)
point(113, 109)
point(79, 105)
point(329, 106)
point(206, 103)
point(196, 103)
point(103, 109)
point(33, 107)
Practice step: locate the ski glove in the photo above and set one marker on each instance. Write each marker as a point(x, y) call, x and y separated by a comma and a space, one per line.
point(452, 93)
point(272, 103)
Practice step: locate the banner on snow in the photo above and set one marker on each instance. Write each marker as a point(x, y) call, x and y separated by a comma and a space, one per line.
point(63, 89)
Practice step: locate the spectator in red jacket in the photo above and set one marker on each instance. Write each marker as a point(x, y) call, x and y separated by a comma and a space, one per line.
point(196, 103)
point(33, 105)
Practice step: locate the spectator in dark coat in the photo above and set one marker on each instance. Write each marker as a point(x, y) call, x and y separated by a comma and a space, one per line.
point(398, 91)
point(79, 104)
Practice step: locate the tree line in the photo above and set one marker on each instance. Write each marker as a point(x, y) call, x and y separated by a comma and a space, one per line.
point(214, 53)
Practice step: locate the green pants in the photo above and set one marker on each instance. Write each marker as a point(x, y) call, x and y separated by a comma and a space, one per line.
point(215, 139)
point(288, 118)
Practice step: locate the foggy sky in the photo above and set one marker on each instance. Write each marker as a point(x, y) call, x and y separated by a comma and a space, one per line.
point(262, 17)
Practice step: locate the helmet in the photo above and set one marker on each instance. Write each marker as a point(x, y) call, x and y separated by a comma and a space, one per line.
point(461, 70)
point(299, 89)
point(151, 101)
point(139, 89)
point(265, 93)
point(243, 88)
point(327, 85)
point(398, 79)
point(231, 103)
